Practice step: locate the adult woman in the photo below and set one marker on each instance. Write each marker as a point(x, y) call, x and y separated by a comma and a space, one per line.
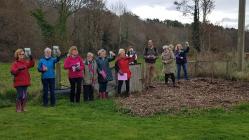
point(74, 65)
point(90, 77)
point(46, 66)
point(124, 73)
point(181, 60)
point(168, 58)
point(20, 69)
point(104, 71)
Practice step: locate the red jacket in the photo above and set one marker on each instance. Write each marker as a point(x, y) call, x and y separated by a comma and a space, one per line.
point(71, 62)
point(123, 64)
point(20, 70)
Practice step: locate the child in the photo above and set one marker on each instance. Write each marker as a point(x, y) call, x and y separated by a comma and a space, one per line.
point(168, 64)
point(104, 71)
point(74, 65)
point(122, 67)
point(90, 77)
point(20, 69)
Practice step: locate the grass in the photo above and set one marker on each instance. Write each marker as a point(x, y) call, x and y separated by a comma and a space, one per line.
point(100, 120)
point(36, 86)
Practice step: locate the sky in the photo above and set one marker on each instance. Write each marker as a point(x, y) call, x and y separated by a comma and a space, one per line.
point(224, 14)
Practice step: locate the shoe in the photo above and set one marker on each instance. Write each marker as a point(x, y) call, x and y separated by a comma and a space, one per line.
point(102, 95)
point(18, 106)
point(107, 95)
point(23, 105)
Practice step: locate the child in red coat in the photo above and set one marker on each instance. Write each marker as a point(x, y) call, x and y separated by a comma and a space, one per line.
point(20, 69)
point(123, 70)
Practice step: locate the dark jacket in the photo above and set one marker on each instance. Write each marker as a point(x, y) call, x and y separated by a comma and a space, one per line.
point(181, 56)
point(150, 55)
point(103, 64)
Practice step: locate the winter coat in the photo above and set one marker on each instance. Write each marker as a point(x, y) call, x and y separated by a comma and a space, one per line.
point(123, 65)
point(71, 63)
point(168, 60)
point(20, 70)
point(90, 72)
point(103, 65)
point(181, 56)
point(50, 64)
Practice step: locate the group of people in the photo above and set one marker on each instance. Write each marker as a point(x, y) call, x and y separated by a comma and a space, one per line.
point(87, 72)
point(92, 70)
point(173, 59)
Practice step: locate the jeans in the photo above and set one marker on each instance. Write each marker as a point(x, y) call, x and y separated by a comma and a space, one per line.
point(88, 92)
point(75, 83)
point(21, 93)
point(48, 85)
point(184, 66)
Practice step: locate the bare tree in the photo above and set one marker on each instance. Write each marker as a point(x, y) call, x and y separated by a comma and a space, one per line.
point(187, 7)
point(193, 8)
point(207, 7)
point(119, 8)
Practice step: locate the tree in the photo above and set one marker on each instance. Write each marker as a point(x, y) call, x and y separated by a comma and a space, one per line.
point(94, 24)
point(192, 8)
point(119, 8)
point(207, 7)
point(58, 31)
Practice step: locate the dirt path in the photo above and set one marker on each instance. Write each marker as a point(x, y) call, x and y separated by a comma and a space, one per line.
point(196, 93)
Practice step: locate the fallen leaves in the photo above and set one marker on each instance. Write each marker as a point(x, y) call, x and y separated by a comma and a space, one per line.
point(196, 93)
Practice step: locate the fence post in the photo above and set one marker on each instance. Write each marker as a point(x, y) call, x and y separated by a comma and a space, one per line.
point(196, 67)
point(227, 69)
point(58, 75)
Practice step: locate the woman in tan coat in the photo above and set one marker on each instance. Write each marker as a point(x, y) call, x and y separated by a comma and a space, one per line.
point(168, 60)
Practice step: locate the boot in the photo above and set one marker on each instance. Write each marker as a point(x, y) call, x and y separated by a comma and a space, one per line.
point(23, 105)
point(106, 95)
point(101, 95)
point(18, 106)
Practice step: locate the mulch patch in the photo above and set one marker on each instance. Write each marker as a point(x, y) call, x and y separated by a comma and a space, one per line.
point(198, 93)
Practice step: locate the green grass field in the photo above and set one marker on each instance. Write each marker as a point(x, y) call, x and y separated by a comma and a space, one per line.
point(102, 120)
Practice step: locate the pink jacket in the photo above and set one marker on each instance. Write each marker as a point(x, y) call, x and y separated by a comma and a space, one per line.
point(74, 66)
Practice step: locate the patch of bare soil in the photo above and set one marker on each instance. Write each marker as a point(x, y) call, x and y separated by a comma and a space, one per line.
point(197, 93)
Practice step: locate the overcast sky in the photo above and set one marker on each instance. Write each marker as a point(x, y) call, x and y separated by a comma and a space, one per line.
point(225, 12)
